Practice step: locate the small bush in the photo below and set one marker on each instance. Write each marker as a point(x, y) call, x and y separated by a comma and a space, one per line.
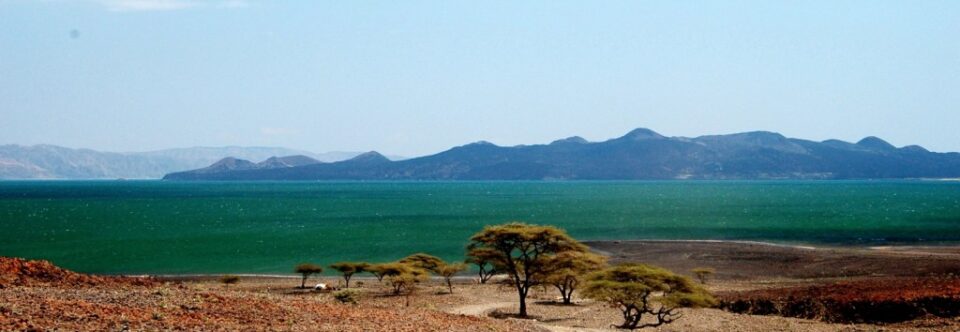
point(350, 296)
point(229, 279)
point(703, 273)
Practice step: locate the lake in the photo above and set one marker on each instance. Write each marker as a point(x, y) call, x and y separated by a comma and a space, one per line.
point(267, 227)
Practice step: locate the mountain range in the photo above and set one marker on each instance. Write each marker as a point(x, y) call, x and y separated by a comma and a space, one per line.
point(55, 162)
point(640, 154)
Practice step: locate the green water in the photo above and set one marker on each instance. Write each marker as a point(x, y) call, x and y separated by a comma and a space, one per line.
point(256, 227)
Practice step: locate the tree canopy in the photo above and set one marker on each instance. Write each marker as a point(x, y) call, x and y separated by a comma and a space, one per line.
point(568, 268)
point(402, 277)
point(306, 269)
point(447, 271)
point(484, 259)
point(522, 251)
point(348, 269)
point(424, 261)
point(638, 290)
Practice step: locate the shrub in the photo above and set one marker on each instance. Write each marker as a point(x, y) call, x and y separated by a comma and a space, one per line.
point(350, 296)
point(229, 279)
point(703, 273)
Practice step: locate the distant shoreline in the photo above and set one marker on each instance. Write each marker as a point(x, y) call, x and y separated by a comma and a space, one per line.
point(716, 250)
point(743, 260)
point(691, 180)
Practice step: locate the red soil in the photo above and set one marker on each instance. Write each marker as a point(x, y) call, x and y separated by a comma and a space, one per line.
point(874, 289)
point(870, 300)
point(20, 272)
point(37, 295)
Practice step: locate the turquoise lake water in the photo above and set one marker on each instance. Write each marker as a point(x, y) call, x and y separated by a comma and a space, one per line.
point(267, 227)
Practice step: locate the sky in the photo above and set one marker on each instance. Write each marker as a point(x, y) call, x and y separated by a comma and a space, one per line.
point(417, 77)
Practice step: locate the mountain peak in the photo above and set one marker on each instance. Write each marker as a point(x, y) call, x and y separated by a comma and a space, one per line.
point(231, 162)
point(481, 143)
point(369, 157)
point(875, 143)
point(914, 148)
point(288, 161)
point(571, 140)
point(642, 134)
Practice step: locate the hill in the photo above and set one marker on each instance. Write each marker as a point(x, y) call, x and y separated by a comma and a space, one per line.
point(639, 155)
point(56, 162)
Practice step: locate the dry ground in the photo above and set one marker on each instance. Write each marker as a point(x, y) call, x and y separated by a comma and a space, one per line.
point(272, 303)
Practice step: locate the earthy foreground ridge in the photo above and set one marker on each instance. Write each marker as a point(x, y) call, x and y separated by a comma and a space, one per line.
point(640, 154)
point(36, 295)
point(761, 287)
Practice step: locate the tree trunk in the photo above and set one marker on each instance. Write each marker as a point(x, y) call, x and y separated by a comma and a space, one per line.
point(450, 285)
point(523, 302)
point(303, 282)
point(347, 278)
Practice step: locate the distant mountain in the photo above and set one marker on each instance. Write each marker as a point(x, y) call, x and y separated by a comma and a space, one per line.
point(234, 164)
point(55, 162)
point(640, 154)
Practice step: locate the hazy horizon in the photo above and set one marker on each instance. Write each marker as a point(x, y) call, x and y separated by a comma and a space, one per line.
point(416, 78)
point(395, 156)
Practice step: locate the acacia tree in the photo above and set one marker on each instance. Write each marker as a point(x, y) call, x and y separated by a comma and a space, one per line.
point(347, 269)
point(447, 271)
point(522, 251)
point(703, 273)
point(423, 261)
point(403, 277)
point(377, 270)
point(568, 268)
point(306, 269)
point(483, 259)
point(638, 290)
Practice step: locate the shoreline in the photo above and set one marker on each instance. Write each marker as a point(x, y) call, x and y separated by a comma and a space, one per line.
point(749, 260)
point(189, 301)
point(672, 252)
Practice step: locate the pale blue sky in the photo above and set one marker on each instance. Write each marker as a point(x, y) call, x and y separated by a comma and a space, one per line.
point(412, 78)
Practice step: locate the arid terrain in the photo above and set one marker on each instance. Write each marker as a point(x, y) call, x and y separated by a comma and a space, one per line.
point(756, 283)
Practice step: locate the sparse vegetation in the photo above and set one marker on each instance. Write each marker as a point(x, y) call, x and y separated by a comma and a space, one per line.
point(447, 271)
point(349, 296)
point(348, 269)
point(424, 261)
point(483, 259)
point(229, 279)
point(403, 277)
point(523, 252)
point(638, 290)
point(703, 273)
point(378, 270)
point(568, 268)
point(306, 270)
